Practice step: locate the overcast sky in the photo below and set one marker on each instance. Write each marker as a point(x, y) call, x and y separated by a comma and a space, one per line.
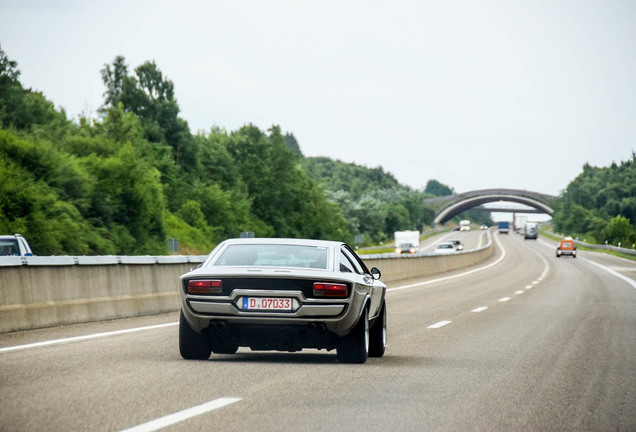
point(474, 94)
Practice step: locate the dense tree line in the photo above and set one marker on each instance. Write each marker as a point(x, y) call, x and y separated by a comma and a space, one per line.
point(600, 204)
point(135, 177)
point(127, 182)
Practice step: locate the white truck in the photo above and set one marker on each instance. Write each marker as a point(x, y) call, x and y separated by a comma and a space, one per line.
point(464, 225)
point(407, 242)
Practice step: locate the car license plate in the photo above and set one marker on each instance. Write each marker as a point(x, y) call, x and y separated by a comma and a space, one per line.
point(267, 303)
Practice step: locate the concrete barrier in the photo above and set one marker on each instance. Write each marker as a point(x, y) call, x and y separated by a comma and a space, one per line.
point(52, 291)
point(37, 292)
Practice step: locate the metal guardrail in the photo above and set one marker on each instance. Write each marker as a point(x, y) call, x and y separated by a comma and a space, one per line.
point(68, 260)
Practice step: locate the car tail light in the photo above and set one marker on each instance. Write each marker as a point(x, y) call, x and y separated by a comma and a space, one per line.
point(322, 289)
point(206, 286)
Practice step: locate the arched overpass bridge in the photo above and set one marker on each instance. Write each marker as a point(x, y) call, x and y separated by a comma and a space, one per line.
point(451, 205)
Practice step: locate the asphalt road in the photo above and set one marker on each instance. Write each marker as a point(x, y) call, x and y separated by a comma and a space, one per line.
point(524, 341)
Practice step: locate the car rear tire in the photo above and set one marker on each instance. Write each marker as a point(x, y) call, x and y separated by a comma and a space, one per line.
point(192, 345)
point(377, 334)
point(354, 347)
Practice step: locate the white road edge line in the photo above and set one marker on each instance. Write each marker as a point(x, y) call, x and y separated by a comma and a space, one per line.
point(180, 416)
point(503, 254)
point(630, 281)
point(439, 324)
point(85, 337)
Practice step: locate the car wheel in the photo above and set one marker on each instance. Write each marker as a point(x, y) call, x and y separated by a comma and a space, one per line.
point(377, 334)
point(354, 347)
point(192, 345)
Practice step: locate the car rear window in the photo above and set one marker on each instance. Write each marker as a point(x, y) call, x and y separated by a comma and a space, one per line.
point(265, 255)
point(567, 244)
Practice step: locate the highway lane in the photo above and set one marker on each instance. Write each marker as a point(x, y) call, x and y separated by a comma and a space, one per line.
point(523, 342)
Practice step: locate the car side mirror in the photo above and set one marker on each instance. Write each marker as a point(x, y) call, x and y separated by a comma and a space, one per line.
point(375, 272)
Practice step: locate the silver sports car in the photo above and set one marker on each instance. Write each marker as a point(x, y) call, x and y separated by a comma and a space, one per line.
point(285, 295)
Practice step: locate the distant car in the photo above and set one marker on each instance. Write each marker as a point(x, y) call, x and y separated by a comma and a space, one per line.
point(283, 295)
point(484, 227)
point(405, 248)
point(566, 247)
point(458, 245)
point(14, 245)
point(445, 248)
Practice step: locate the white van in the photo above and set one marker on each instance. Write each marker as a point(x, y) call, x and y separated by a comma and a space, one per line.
point(531, 231)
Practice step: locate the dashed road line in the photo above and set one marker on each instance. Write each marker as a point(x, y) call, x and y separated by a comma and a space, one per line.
point(439, 324)
point(479, 309)
point(504, 299)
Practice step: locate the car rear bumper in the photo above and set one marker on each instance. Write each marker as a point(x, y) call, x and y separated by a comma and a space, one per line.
point(334, 315)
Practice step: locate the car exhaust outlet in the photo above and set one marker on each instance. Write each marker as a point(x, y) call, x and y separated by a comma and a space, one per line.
point(316, 327)
point(219, 326)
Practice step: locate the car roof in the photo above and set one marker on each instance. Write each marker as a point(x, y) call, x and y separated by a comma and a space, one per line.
point(286, 241)
point(445, 243)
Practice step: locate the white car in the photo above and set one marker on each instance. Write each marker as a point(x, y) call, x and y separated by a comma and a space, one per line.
point(445, 248)
point(14, 245)
point(284, 295)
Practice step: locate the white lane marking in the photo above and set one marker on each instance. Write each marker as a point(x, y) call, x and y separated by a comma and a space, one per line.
point(504, 299)
point(180, 416)
point(85, 337)
point(528, 286)
point(480, 309)
point(519, 292)
point(503, 254)
point(630, 281)
point(535, 282)
point(439, 324)
point(623, 268)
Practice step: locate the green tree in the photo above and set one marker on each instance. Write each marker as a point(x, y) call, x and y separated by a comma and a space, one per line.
point(619, 230)
point(436, 188)
point(20, 108)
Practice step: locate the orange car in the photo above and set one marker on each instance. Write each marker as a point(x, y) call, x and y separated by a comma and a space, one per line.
point(566, 247)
